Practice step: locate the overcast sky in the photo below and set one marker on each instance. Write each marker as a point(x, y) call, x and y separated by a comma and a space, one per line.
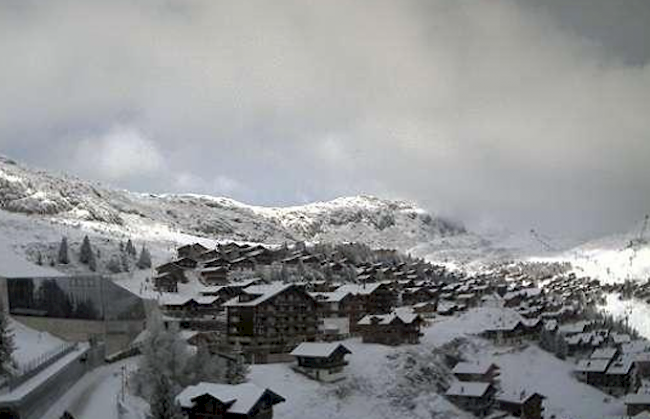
point(522, 113)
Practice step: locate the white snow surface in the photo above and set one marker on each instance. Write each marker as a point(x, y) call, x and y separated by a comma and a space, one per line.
point(30, 343)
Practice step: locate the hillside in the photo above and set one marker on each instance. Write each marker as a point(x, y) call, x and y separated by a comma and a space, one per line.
point(68, 200)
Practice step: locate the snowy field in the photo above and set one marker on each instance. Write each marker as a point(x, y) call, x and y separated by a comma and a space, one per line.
point(30, 343)
point(376, 377)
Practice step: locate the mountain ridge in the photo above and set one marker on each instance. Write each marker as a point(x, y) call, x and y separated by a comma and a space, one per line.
point(374, 221)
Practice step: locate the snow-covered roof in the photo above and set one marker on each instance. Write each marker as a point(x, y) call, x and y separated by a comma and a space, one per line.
point(515, 396)
point(604, 353)
point(263, 292)
point(592, 365)
point(638, 398)
point(243, 396)
point(359, 289)
point(621, 366)
point(468, 389)
point(334, 296)
point(404, 314)
point(317, 349)
point(481, 367)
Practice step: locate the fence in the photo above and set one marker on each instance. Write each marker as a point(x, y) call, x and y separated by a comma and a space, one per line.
point(38, 364)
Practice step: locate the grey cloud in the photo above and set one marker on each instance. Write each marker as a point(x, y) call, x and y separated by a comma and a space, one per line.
point(502, 111)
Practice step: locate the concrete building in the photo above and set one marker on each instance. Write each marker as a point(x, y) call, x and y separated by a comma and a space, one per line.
point(76, 308)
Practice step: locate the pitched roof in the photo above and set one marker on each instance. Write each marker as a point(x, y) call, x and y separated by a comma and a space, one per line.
point(515, 396)
point(469, 389)
point(318, 349)
point(407, 317)
point(243, 396)
point(262, 293)
point(472, 367)
point(592, 365)
point(604, 353)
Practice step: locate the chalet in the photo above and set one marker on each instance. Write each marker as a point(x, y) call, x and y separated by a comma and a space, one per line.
point(261, 255)
point(166, 282)
point(426, 309)
point(209, 255)
point(334, 311)
point(521, 404)
point(214, 276)
point(636, 403)
point(417, 295)
point(191, 250)
point(396, 328)
point(621, 377)
point(169, 267)
point(468, 299)
point(477, 398)
point(224, 401)
point(506, 331)
point(379, 297)
point(179, 306)
point(242, 264)
point(223, 292)
point(321, 361)
point(446, 307)
point(269, 321)
point(484, 372)
point(168, 276)
point(218, 262)
point(186, 262)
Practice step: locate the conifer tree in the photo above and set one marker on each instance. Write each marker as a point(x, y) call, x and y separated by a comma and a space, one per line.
point(7, 344)
point(63, 252)
point(85, 251)
point(144, 261)
point(125, 263)
point(163, 403)
point(114, 265)
point(130, 249)
point(92, 262)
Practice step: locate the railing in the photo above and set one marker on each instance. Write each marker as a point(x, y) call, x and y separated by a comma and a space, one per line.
point(38, 364)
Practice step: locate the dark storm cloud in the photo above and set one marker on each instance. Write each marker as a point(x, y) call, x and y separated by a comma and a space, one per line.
point(503, 112)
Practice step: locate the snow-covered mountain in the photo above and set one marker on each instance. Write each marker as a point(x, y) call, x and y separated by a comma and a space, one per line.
point(68, 200)
point(614, 258)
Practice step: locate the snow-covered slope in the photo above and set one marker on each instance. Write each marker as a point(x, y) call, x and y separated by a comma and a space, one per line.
point(610, 259)
point(65, 199)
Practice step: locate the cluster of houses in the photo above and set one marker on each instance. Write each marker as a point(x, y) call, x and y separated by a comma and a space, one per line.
point(476, 390)
point(386, 303)
point(267, 320)
point(229, 261)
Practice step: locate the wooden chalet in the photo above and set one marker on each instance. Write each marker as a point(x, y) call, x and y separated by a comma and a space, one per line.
point(224, 401)
point(396, 328)
point(477, 398)
point(191, 250)
point(411, 296)
point(214, 276)
point(321, 361)
point(637, 403)
point(179, 306)
point(166, 282)
point(242, 264)
point(261, 255)
point(186, 262)
point(484, 372)
point(268, 321)
point(521, 404)
point(209, 255)
point(426, 309)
